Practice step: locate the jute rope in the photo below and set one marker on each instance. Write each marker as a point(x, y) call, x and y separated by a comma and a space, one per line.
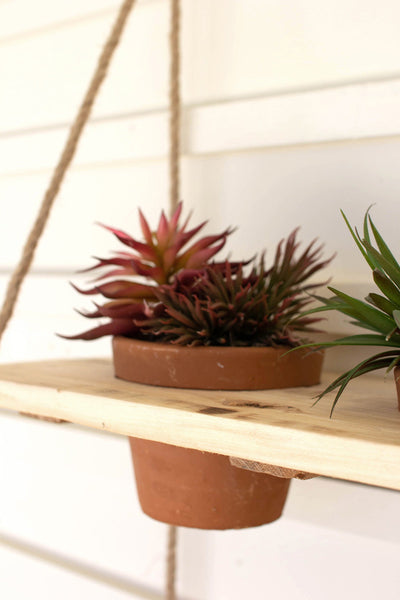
point(283, 472)
point(171, 562)
point(174, 182)
point(66, 157)
point(174, 105)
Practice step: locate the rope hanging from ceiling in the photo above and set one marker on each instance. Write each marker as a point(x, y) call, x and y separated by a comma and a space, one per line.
point(174, 182)
point(175, 106)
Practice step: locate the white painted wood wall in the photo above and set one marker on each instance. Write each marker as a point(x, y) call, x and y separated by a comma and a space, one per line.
point(291, 112)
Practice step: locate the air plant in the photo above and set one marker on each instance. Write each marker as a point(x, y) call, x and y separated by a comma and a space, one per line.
point(378, 313)
point(170, 291)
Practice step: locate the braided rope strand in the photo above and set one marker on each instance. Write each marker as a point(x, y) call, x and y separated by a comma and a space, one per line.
point(174, 171)
point(175, 105)
point(171, 562)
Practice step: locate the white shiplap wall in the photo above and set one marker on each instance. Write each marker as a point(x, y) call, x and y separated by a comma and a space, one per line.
point(290, 113)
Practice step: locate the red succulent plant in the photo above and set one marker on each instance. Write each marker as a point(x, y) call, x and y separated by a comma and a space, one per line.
point(168, 290)
point(154, 261)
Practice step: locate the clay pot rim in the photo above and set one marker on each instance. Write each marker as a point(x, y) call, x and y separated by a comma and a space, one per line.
point(214, 367)
point(273, 350)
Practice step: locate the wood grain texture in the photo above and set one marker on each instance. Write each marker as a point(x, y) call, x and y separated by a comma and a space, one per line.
point(360, 443)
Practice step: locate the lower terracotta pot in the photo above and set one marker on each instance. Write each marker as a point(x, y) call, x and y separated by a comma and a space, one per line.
point(190, 488)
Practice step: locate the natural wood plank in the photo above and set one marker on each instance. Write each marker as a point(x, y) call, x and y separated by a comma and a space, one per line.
point(361, 442)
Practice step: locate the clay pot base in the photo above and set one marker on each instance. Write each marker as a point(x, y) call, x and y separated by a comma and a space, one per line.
point(215, 367)
point(190, 488)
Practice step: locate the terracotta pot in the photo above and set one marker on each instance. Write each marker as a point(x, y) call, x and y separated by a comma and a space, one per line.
point(397, 382)
point(214, 367)
point(190, 488)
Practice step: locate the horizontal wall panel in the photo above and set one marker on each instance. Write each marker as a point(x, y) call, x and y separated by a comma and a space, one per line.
point(347, 113)
point(230, 49)
point(141, 138)
point(344, 113)
point(71, 492)
point(46, 307)
point(266, 194)
point(45, 76)
point(271, 46)
point(22, 573)
point(90, 513)
point(299, 561)
point(72, 237)
point(312, 503)
point(18, 17)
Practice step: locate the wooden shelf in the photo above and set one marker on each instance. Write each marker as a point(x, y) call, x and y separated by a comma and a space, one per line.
point(360, 443)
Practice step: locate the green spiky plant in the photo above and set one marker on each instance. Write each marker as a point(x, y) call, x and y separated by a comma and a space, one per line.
point(173, 293)
point(378, 313)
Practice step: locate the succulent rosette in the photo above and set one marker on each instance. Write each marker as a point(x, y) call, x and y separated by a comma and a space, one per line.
point(130, 278)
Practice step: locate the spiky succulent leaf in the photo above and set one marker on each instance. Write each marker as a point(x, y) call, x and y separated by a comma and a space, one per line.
point(396, 317)
point(383, 360)
point(124, 327)
point(381, 302)
point(215, 307)
point(387, 287)
point(382, 246)
point(358, 241)
point(163, 252)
